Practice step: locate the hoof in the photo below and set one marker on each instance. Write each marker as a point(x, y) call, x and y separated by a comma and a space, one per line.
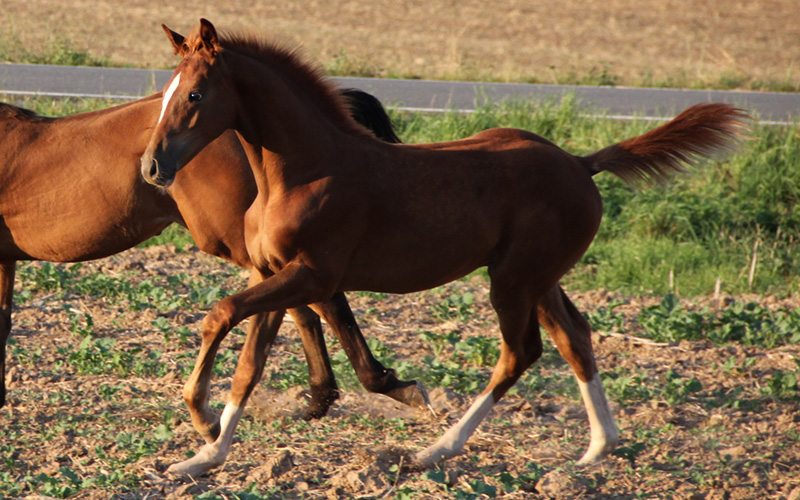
point(314, 412)
point(596, 453)
point(426, 459)
point(412, 394)
point(207, 458)
point(419, 397)
point(320, 404)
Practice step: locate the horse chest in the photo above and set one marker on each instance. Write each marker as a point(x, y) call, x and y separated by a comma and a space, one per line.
point(275, 233)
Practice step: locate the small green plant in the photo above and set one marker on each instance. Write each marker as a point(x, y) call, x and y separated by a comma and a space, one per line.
point(630, 452)
point(480, 351)
point(678, 389)
point(80, 323)
point(668, 322)
point(628, 389)
point(292, 372)
point(479, 487)
point(605, 319)
point(457, 306)
point(526, 479)
point(24, 357)
point(783, 385)
point(439, 341)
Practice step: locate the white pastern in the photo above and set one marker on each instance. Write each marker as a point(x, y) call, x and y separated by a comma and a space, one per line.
point(605, 435)
point(168, 95)
point(213, 454)
point(452, 442)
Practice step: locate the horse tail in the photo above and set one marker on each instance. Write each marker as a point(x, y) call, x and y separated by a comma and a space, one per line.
point(698, 132)
point(367, 110)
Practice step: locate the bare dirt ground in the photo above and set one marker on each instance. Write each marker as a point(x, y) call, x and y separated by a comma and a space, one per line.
point(677, 42)
point(729, 438)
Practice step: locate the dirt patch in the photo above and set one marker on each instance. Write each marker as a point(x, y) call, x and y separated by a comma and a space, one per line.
point(649, 41)
point(87, 423)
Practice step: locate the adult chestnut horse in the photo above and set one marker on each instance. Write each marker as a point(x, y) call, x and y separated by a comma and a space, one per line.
point(64, 203)
point(338, 210)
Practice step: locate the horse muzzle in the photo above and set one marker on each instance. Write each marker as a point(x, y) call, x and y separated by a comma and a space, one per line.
point(153, 173)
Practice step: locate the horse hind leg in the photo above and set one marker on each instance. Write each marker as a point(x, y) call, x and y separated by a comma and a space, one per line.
point(371, 373)
point(7, 271)
point(322, 382)
point(520, 348)
point(572, 335)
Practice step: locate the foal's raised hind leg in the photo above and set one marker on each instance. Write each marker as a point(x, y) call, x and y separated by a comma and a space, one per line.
point(7, 270)
point(371, 373)
point(572, 335)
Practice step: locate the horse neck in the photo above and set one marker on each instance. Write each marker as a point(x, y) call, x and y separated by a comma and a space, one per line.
point(126, 131)
point(293, 133)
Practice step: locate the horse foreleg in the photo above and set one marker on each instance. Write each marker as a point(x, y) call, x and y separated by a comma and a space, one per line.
point(521, 346)
point(7, 270)
point(248, 372)
point(572, 336)
point(371, 373)
point(289, 288)
point(197, 388)
point(321, 379)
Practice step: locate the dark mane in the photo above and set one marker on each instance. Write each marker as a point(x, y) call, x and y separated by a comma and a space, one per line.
point(305, 75)
point(9, 111)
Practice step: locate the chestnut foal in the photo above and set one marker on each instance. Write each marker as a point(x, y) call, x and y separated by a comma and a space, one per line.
point(337, 210)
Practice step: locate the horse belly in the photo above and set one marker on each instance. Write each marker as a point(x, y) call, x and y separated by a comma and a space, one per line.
point(412, 261)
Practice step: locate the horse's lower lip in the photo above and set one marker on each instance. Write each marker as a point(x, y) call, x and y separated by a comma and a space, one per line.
point(159, 182)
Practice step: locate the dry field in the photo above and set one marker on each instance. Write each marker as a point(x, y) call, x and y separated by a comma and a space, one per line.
point(635, 42)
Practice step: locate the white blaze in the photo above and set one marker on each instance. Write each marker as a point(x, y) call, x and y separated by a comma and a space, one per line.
point(168, 95)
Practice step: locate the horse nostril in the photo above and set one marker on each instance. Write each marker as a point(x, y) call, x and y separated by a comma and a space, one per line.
point(154, 169)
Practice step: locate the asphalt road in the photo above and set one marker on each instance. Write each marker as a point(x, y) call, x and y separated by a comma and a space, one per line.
point(622, 102)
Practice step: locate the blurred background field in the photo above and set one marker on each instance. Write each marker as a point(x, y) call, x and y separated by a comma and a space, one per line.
point(674, 43)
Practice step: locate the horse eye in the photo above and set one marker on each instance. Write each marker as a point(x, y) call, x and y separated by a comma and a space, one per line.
point(195, 96)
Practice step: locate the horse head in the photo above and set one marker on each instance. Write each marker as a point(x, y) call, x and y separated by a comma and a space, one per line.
point(190, 98)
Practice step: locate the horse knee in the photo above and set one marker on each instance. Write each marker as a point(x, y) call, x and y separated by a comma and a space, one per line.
point(193, 398)
point(220, 318)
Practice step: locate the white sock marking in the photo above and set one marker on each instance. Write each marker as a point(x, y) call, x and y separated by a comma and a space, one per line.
point(601, 422)
point(212, 454)
point(228, 422)
point(452, 442)
point(168, 95)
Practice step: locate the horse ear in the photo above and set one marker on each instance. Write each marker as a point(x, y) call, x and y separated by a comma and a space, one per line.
point(208, 34)
point(177, 40)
